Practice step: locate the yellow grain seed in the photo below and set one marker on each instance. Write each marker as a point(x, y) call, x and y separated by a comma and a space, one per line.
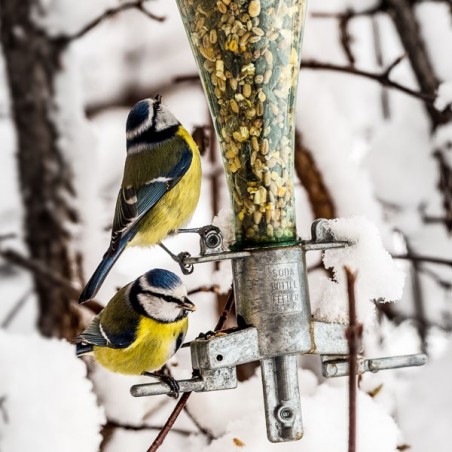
point(232, 168)
point(270, 231)
point(213, 36)
point(219, 66)
point(257, 198)
point(260, 108)
point(234, 106)
point(244, 39)
point(258, 31)
point(262, 96)
point(293, 56)
point(237, 162)
point(263, 194)
point(271, 163)
point(264, 146)
point(254, 8)
point(233, 82)
point(267, 179)
point(281, 191)
point(268, 215)
point(257, 217)
point(233, 46)
point(222, 7)
point(250, 113)
point(234, 148)
point(250, 232)
point(255, 39)
point(253, 158)
point(269, 58)
point(244, 132)
point(241, 215)
point(247, 90)
point(254, 144)
point(273, 188)
point(237, 136)
point(230, 154)
point(221, 84)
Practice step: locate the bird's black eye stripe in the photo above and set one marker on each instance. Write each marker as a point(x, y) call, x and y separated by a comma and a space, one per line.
point(164, 296)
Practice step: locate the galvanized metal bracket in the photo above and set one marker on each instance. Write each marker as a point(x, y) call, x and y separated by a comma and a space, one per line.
point(272, 301)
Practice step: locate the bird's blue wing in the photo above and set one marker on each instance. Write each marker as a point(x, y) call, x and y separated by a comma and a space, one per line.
point(149, 195)
point(100, 335)
point(133, 205)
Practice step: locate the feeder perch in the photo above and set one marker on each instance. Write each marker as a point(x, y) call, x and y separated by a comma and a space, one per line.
point(248, 56)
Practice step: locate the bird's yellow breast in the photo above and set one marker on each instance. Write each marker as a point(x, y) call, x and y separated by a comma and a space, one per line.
point(155, 343)
point(176, 207)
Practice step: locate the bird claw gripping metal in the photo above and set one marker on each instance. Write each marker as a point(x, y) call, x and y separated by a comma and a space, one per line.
point(272, 299)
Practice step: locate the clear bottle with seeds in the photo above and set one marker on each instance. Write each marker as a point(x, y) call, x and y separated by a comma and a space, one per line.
point(248, 55)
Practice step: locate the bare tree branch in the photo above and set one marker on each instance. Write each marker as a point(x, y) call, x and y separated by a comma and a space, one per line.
point(353, 334)
point(3, 409)
point(138, 5)
point(381, 77)
point(48, 277)
point(215, 288)
point(426, 259)
point(311, 178)
point(136, 428)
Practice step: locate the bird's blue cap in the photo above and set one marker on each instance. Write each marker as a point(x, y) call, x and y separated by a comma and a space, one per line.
point(138, 114)
point(162, 279)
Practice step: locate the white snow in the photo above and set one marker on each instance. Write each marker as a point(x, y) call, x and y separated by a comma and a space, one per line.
point(378, 277)
point(238, 418)
point(444, 95)
point(48, 401)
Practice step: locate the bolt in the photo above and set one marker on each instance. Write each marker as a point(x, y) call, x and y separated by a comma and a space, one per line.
point(285, 414)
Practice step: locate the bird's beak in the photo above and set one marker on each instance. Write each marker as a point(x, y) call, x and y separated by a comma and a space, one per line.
point(187, 305)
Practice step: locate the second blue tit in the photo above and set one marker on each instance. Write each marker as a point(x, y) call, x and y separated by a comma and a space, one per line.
point(160, 188)
point(141, 327)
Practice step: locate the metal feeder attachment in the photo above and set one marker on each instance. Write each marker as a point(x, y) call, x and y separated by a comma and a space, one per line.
point(273, 310)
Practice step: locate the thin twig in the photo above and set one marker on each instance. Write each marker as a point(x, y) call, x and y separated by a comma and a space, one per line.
point(425, 259)
point(138, 5)
point(353, 334)
point(380, 77)
point(184, 399)
point(215, 288)
point(205, 431)
point(418, 299)
point(48, 277)
point(3, 409)
point(15, 309)
point(136, 428)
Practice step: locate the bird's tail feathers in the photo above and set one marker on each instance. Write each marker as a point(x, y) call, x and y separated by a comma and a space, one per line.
point(101, 272)
point(83, 349)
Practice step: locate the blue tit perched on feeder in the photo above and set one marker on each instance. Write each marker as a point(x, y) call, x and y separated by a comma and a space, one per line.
point(141, 327)
point(160, 188)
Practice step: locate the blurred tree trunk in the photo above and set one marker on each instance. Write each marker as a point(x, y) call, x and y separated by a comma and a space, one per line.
point(32, 61)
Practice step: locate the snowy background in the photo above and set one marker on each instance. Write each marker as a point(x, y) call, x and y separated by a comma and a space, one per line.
point(374, 148)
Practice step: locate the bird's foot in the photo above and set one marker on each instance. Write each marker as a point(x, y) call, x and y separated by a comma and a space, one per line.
point(168, 380)
point(209, 334)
